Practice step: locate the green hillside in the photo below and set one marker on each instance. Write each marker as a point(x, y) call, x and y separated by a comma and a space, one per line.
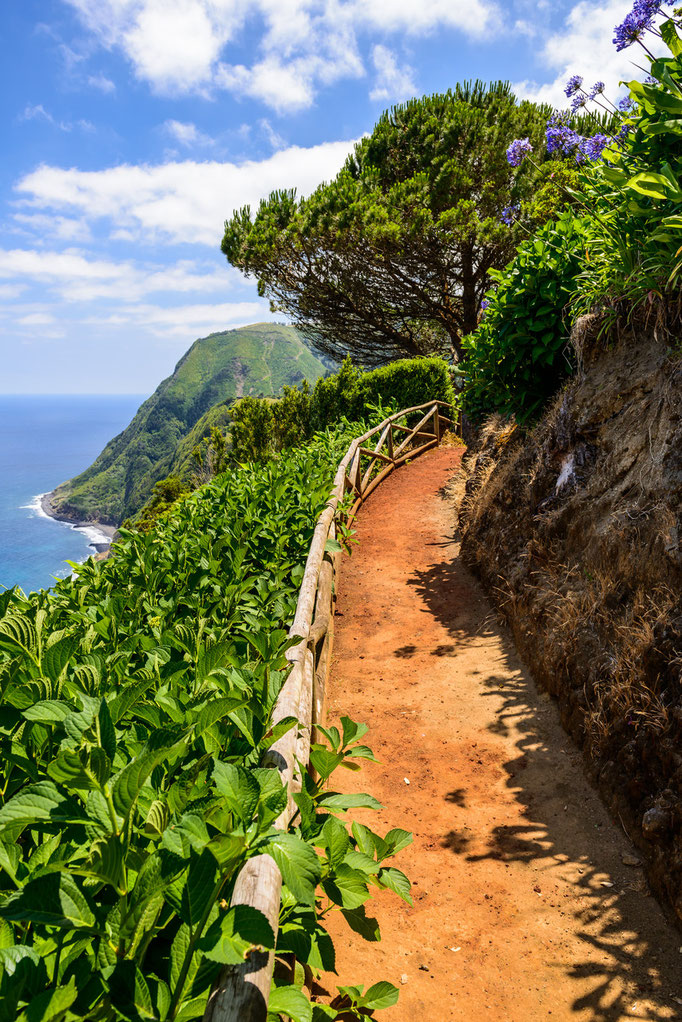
point(254, 360)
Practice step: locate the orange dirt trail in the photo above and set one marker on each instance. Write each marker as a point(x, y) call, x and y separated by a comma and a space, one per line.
point(523, 906)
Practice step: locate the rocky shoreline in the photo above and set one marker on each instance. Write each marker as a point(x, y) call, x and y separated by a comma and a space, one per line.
point(108, 531)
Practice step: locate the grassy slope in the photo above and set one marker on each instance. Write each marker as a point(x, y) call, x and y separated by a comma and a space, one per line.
point(257, 360)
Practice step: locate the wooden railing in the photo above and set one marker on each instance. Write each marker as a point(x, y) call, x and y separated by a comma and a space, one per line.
point(241, 993)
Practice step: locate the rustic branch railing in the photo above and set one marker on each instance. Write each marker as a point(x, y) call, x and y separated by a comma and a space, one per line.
point(241, 993)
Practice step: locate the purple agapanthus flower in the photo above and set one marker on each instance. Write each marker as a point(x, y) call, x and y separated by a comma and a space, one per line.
point(572, 85)
point(650, 80)
point(636, 23)
point(509, 213)
point(625, 104)
point(578, 101)
point(560, 137)
point(597, 89)
point(484, 304)
point(518, 150)
point(592, 148)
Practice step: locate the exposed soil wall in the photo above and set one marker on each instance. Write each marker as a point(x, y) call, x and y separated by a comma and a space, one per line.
point(575, 532)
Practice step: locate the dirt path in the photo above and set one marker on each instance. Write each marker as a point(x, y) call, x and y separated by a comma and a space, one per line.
point(525, 906)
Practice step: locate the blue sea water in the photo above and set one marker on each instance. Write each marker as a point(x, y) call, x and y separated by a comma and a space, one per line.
point(43, 441)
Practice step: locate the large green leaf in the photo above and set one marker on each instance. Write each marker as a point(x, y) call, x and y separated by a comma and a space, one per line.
point(39, 803)
point(52, 1005)
point(298, 863)
point(235, 933)
point(291, 1003)
point(48, 711)
point(130, 780)
point(55, 900)
point(198, 890)
point(239, 788)
point(336, 802)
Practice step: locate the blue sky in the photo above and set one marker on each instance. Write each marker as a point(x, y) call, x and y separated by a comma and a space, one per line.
point(132, 128)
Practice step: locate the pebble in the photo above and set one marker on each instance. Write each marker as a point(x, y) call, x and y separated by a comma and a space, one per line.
point(404, 978)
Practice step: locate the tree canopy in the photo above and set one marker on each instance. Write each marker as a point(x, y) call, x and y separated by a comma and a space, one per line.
point(391, 258)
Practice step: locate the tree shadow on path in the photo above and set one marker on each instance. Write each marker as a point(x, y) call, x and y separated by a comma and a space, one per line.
point(627, 951)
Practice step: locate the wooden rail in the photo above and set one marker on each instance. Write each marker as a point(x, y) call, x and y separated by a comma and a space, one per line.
point(241, 993)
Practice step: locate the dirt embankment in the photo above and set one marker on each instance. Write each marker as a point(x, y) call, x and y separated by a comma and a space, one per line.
point(575, 532)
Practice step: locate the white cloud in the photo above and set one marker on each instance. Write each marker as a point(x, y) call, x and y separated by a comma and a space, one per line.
point(181, 46)
point(37, 319)
point(38, 112)
point(187, 134)
point(77, 277)
point(184, 201)
point(194, 320)
point(102, 83)
point(53, 228)
point(584, 46)
point(393, 83)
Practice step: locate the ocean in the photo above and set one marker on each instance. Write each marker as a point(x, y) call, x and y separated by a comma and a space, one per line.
point(43, 441)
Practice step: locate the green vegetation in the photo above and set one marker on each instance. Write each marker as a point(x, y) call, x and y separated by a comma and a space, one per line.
point(262, 428)
point(516, 359)
point(391, 258)
point(135, 707)
point(258, 360)
point(618, 255)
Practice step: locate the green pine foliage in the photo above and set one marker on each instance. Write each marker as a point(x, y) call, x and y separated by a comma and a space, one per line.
point(390, 258)
point(135, 707)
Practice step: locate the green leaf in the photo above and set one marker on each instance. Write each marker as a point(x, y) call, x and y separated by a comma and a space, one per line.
point(381, 995)
point(198, 891)
point(52, 1005)
point(335, 802)
point(47, 711)
point(671, 38)
point(298, 863)
point(396, 840)
point(192, 1009)
point(216, 710)
point(291, 1003)
point(178, 952)
point(128, 783)
point(39, 803)
point(656, 186)
point(335, 839)
point(396, 881)
point(56, 657)
point(53, 899)
point(239, 789)
point(352, 731)
point(332, 546)
point(235, 933)
point(107, 733)
point(361, 923)
point(347, 888)
point(11, 956)
point(324, 761)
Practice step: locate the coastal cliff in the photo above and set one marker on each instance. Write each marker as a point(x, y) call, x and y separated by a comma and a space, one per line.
point(256, 360)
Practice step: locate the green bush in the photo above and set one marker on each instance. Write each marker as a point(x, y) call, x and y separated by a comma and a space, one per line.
point(517, 357)
point(136, 703)
point(636, 197)
point(262, 428)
